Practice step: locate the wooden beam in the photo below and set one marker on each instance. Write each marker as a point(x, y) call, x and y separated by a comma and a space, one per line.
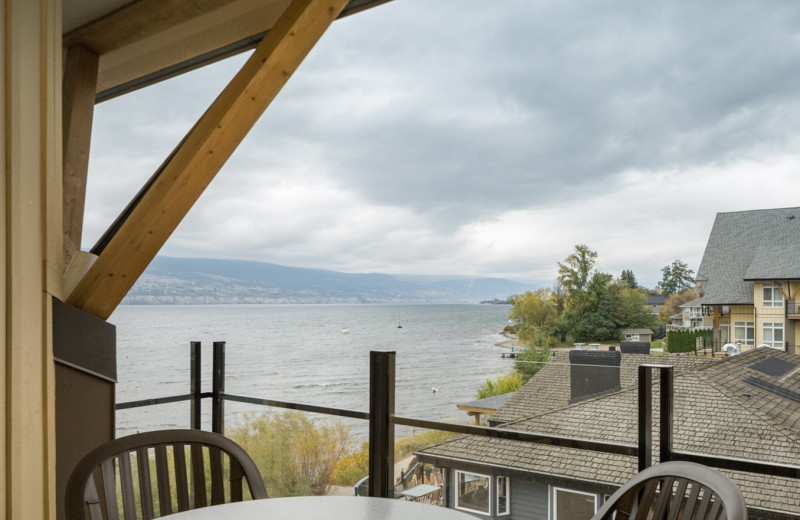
point(137, 20)
point(194, 163)
point(78, 91)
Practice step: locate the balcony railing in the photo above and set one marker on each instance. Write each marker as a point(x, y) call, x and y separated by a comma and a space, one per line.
point(792, 309)
point(382, 420)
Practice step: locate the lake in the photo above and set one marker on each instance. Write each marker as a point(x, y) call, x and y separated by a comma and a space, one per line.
point(312, 354)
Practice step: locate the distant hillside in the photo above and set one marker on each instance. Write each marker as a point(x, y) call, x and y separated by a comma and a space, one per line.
point(205, 281)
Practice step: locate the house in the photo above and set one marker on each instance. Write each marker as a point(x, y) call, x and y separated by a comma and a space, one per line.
point(691, 317)
point(745, 406)
point(655, 303)
point(750, 277)
point(644, 335)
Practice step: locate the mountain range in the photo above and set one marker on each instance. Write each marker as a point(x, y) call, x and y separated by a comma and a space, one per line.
point(171, 280)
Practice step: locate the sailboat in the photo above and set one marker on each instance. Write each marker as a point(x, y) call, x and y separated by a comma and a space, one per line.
point(399, 326)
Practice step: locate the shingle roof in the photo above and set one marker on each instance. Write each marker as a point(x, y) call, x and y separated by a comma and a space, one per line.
point(715, 413)
point(743, 239)
point(550, 388)
point(775, 263)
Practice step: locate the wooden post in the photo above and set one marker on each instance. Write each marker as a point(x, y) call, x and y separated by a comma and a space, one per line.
point(80, 86)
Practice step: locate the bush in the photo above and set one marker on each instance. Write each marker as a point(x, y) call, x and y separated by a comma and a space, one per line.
point(684, 340)
point(296, 457)
point(408, 445)
point(351, 468)
point(504, 384)
point(531, 361)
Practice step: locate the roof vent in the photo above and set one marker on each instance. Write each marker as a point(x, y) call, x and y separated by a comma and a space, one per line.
point(790, 217)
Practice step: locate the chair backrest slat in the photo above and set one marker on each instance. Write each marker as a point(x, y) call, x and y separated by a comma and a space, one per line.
point(109, 478)
point(198, 476)
point(162, 480)
point(145, 487)
point(236, 475)
point(107, 475)
point(678, 499)
point(687, 490)
point(664, 497)
point(126, 484)
point(217, 489)
point(691, 500)
point(181, 482)
point(646, 498)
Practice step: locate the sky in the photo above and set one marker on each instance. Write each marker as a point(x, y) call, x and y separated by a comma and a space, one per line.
point(465, 137)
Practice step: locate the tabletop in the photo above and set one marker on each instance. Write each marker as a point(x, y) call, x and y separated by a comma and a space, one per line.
point(322, 508)
point(420, 490)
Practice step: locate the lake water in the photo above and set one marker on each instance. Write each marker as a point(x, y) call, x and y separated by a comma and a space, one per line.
point(301, 353)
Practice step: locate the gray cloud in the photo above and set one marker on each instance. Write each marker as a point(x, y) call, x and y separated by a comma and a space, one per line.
point(414, 124)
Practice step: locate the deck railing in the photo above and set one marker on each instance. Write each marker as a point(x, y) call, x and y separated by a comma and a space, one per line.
point(382, 420)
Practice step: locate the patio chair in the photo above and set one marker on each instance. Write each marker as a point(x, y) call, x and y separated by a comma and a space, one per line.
point(676, 490)
point(190, 469)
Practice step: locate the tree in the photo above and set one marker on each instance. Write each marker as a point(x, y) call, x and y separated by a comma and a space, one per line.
point(629, 278)
point(673, 304)
point(573, 274)
point(676, 277)
point(533, 311)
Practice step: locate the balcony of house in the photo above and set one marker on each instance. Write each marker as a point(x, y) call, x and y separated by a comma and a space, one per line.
point(792, 310)
point(645, 436)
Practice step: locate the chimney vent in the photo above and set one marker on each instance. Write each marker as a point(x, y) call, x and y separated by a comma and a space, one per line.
point(593, 373)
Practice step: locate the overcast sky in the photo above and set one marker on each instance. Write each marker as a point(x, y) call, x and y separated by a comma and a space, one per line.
point(487, 138)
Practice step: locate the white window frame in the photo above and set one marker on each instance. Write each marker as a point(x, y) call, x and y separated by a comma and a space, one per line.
point(775, 298)
point(744, 326)
point(488, 511)
point(554, 501)
point(773, 327)
point(508, 495)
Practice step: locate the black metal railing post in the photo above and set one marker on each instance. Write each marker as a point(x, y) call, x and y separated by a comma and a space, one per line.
point(667, 401)
point(195, 384)
point(645, 417)
point(381, 429)
point(218, 389)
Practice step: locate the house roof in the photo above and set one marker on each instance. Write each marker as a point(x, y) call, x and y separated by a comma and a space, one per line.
point(487, 404)
point(636, 331)
point(775, 263)
point(749, 245)
point(716, 412)
point(549, 389)
point(655, 300)
point(697, 302)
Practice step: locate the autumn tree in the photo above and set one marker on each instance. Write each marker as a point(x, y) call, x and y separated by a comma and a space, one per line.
point(533, 312)
point(676, 277)
point(673, 304)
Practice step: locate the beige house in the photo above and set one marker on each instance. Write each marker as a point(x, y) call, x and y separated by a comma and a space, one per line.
point(750, 278)
point(691, 317)
point(59, 58)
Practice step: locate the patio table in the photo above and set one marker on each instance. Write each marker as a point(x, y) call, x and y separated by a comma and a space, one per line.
point(420, 491)
point(323, 508)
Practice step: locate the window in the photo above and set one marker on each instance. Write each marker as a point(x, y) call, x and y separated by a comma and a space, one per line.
point(744, 332)
point(725, 331)
point(573, 505)
point(773, 335)
point(503, 496)
point(773, 297)
point(472, 492)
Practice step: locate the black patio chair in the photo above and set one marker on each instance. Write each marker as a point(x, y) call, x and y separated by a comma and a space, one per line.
point(676, 490)
point(190, 467)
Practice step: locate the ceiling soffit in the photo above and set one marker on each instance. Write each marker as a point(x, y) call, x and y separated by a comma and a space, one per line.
point(148, 41)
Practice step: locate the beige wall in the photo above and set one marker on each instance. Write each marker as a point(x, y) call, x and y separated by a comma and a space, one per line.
point(30, 240)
